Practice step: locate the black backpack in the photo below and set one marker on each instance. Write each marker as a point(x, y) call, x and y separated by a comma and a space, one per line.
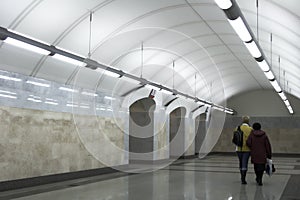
point(238, 137)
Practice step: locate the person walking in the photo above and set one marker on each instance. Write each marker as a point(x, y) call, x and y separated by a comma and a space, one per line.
point(243, 152)
point(260, 147)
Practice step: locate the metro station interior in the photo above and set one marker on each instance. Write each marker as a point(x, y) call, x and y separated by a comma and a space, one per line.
point(138, 99)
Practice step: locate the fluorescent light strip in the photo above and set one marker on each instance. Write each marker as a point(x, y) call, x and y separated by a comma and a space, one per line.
point(109, 98)
point(282, 96)
point(38, 84)
point(7, 92)
point(51, 103)
point(253, 49)
point(8, 96)
point(26, 46)
point(264, 66)
point(48, 99)
point(102, 109)
point(152, 87)
point(33, 96)
point(68, 60)
point(224, 4)
point(217, 108)
point(89, 94)
point(241, 29)
point(287, 103)
point(200, 103)
point(67, 89)
point(10, 78)
point(72, 105)
point(167, 92)
point(290, 109)
point(208, 105)
point(34, 100)
point(269, 75)
point(112, 74)
point(276, 86)
point(85, 107)
point(229, 112)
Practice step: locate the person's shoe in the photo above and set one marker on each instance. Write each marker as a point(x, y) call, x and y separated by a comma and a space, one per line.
point(260, 183)
point(243, 177)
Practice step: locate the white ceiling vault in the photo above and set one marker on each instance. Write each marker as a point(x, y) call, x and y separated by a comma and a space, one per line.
point(193, 34)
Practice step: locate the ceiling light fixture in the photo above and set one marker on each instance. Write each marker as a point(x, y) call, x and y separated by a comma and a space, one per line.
point(270, 75)
point(253, 49)
point(263, 65)
point(10, 78)
point(239, 24)
point(241, 29)
point(276, 86)
point(26, 46)
point(152, 87)
point(8, 96)
point(90, 94)
point(38, 84)
point(68, 89)
point(112, 74)
point(109, 98)
point(68, 60)
point(224, 4)
point(282, 95)
point(51, 103)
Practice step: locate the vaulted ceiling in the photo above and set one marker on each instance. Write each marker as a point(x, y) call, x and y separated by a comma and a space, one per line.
point(185, 44)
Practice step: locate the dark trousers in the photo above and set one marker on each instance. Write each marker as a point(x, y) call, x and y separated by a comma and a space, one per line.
point(259, 172)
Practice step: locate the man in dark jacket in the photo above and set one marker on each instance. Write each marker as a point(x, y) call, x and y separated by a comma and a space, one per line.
point(260, 147)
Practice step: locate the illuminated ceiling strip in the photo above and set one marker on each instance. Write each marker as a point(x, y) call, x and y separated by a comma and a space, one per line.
point(8, 96)
point(241, 29)
point(67, 89)
point(10, 78)
point(253, 49)
point(38, 83)
point(224, 4)
point(239, 24)
point(94, 65)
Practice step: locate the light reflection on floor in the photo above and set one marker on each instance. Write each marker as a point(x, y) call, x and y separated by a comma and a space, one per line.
point(213, 178)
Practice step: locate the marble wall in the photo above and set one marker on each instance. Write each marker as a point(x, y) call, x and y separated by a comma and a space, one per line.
point(35, 142)
point(283, 132)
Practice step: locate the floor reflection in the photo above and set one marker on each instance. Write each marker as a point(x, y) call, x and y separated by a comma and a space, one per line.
point(213, 178)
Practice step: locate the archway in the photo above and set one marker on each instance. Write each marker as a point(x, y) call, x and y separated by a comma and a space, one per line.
point(141, 130)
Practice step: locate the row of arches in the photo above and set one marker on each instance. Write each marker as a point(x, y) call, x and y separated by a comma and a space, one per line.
point(142, 131)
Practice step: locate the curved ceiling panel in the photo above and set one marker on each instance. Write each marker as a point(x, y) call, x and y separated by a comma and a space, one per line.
point(146, 38)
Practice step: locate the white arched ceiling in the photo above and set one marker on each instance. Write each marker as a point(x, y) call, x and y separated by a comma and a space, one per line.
point(195, 34)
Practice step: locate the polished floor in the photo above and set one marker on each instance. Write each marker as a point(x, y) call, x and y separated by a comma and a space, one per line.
point(215, 177)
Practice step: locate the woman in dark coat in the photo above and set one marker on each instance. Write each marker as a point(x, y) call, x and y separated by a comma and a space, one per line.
point(260, 147)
